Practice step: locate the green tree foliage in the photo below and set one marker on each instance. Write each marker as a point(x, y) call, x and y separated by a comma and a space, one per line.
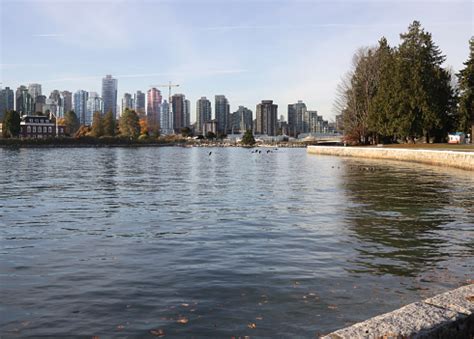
point(210, 135)
point(109, 124)
point(129, 124)
point(97, 129)
point(398, 93)
point(72, 122)
point(11, 124)
point(466, 94)
point(248, 139)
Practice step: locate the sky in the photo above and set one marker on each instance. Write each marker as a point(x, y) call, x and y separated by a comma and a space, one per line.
point(248, 50)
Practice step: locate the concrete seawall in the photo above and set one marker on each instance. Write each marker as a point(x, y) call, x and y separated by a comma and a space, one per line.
point(447, 315)
point(462, 160)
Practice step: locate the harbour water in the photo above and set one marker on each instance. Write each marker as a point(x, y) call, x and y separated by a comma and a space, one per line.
point(222, 241)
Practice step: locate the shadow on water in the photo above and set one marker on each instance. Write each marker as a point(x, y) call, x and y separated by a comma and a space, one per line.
point(404, 217)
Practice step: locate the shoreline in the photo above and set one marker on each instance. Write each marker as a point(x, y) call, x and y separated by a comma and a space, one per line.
point(447, 158)
point(446, 315)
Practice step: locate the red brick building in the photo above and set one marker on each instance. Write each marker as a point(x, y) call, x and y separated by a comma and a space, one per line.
point(38, 127)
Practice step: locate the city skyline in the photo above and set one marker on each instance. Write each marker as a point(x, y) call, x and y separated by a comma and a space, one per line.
point(266, 55)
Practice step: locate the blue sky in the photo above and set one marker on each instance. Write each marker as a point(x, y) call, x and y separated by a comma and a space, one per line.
point(249, 50)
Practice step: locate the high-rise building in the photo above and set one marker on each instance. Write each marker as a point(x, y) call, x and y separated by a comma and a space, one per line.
point(178, 111)
point(40, 101)
point(6, 101)
point(94, 104)
point(266, 118)
point(80, 105)
point(187, 113)
point(109, 94)
point(67, 101)
point(297, 118)
point(56, 103)
point(240, 120)
point(153, 102)
point(139, 103)
point(222, 111)
point(127, 102)
point(24, 101)
point(51, 107)
point(34, 90)
point(166, 119)
point(203, 113)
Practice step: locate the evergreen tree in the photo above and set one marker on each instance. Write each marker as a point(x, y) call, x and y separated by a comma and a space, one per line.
point(71, 122)
point(129, 124)
point(466, 94)
point(108, 124)
point(97, 129)
point(248, 138)
point(11, 124)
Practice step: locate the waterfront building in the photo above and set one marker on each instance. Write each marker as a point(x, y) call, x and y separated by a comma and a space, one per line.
point(166, 119)
point(222, 111)
point(153, 99)
point(127, 102)
point(6, 101)
point(40, 101)
point(50, 107)
point(203, 113)
point(266, 118)
point(67, 101)
point(178, 111)
point(109, 95)
point(297, 118)
point(210, 126)
point(94, 104)
point(24, 101)
point(241, 120)
point(139, 104)
point(80, 105)
point(55, 104)
point(187, 113)
point(312, 122)
point(39, 127)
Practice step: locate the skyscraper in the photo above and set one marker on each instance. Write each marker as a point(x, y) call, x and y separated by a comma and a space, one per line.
point(166, 118)
point(24, 101)
point(203, 113)
point(222, 111)
point(6, 101)
point(127, 102)
point(56, 103)
point(80, 105)
point(266, 118)
point(67, 101)
point(297, 118)
point(109, 95)
point(178, 112)
point(34, 90)
point(94, 104)
point(187, 113)
point(153, 100)
point(139, 103)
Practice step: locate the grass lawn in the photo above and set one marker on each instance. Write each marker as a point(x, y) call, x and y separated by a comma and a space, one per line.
point(444, 147)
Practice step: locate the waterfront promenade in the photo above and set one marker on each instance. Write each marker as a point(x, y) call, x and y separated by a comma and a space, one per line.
point(441, 157)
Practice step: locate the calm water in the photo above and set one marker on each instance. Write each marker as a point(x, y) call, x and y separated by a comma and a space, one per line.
point(118, 242)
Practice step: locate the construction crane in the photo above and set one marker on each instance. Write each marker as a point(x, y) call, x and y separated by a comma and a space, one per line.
point(169, 85)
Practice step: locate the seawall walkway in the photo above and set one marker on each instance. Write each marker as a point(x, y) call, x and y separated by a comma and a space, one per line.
point(447, 315)
point(462, 160)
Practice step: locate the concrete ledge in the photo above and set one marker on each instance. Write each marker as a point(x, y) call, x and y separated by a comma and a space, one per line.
point(448, 315)
point(462, 160)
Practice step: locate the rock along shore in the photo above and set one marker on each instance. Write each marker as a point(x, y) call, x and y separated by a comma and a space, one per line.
point(462, 160)
point(447, 315)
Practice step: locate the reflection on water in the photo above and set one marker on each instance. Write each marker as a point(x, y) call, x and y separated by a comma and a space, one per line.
point(121, 242)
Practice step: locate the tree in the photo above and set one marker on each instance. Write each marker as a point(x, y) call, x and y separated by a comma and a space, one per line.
point(210, 135)
point(186, 132)
point(11, 124)
point(143, 126)
point(129, 124)
point(97, 129)
point(466, 94)
point(108, 124)
point(82, 131)
point(248, 139)
point(71, 122)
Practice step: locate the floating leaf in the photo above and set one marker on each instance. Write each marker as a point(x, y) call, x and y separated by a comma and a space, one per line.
point(332, 307)
point(252, 325)
point(158, 332)
point(182, 320)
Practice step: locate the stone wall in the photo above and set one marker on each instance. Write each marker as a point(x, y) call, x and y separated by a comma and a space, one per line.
point(447, 315)
point(463, 160)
